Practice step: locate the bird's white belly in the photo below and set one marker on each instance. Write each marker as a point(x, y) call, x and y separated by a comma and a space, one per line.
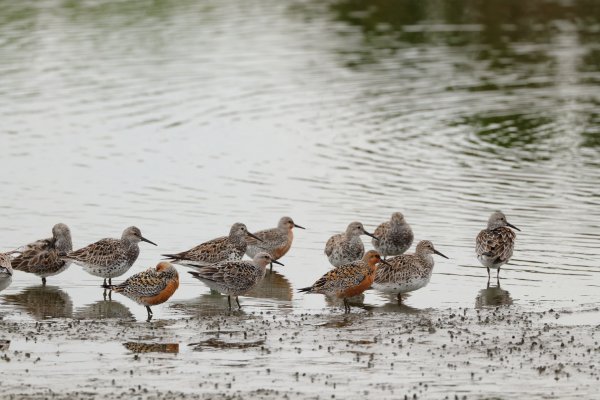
point(112, 271)
point(402, 287)
point(489, 261)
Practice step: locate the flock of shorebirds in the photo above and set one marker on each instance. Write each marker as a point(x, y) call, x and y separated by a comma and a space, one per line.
point(218, 263)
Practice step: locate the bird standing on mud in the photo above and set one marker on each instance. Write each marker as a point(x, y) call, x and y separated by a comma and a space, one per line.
point(495, 244)
point(407, 272)
point(235, 278)
point(393, 237)
point(275, 241)
point(348, 280)
point(109, 258)
point(151, 287)
point(42, 258)
point(225, 248)
point(346, 247)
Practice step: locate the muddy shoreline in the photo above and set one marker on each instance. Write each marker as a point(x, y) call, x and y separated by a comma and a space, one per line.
point(453, 353)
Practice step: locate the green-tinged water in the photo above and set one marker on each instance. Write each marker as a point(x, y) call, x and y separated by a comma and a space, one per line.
point(183, 117)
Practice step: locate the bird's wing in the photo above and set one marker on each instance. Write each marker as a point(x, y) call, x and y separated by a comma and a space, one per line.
point(271, 238)
point(144, 284)
point(381, 230)
point(388, 273)
point(102, 253)
point(330, 245)
point(34, 260)
point(342, 277)
point(497, 243)
point(210, 252)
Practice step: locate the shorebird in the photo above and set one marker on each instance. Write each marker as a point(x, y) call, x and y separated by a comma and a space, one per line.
point(494, 245)
point(235, 278)
point(407, 272)
point(348, 280)
point(42, 257)
point(225, 248)
point(346, 247)
point(151, 287)
point(275, 241)
point(393, 237)
point(6, 271)
point(109, 258)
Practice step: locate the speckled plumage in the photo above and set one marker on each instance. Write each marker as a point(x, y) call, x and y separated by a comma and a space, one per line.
point(109, 258)
point(6, 271)
point(275, 241)
point(347, 280)
point(225, 248)
point(151, 287)
point(42, 256)
point(346, 247)
point(495, 244)
point(234, 278)
point(394, 237)
point(407, 272)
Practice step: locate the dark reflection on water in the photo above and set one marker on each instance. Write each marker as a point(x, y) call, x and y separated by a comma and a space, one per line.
point(493, 296)
point(104, 309)
point(42, 302)
point(273, 286)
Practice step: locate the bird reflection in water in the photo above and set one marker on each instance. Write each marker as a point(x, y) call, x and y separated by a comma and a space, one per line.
point(139, 347)
point(104, 309)
point(493, 296)
point(42, 302)
point(273, 286)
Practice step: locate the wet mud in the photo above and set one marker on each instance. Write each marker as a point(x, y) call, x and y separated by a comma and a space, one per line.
point(464, 353)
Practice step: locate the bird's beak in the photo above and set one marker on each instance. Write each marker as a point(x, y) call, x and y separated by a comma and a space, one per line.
point(277, 262)
point(382, 261)
point(512, 226)
point(143, 239)
point(298, 226)
point(440, 254)
point(254, 236)
point(370, 234)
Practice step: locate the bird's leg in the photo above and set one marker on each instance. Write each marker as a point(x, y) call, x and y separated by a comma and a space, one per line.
point(110, 295)
point(238, 303)
point(498, 277)
point(229, 301)
point(109, 281)
point(399, 298)
point(104, 284)
point(488, 268)
point(149, 313)
point(346, 306)
point(104, 294)
point(271, 267)
point(43, 281)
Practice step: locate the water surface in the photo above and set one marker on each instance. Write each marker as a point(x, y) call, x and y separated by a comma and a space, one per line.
point(184, 117)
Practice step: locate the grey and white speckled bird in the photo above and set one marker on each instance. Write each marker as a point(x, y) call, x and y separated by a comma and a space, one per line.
point(42, 256)
point(407, 272)
point(109, 258)
point(6, 271)
point(275, 241)
point(235, 278)
point(495, 244)
point(346, 247)
point(225, 248)
point(151, 287)
point(394, 237)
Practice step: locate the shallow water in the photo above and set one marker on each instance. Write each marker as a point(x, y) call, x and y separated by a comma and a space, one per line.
point(184, 117)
